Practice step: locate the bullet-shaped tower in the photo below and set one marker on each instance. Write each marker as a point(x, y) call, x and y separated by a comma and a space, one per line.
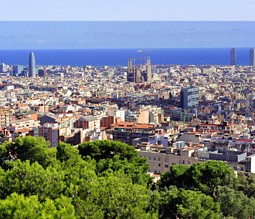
point(31, 65)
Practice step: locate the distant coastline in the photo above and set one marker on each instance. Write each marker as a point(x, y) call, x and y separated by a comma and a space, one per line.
point(115, 57)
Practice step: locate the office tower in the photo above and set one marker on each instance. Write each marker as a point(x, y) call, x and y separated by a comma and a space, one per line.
point(32, 65)
point(148, 70)
point(17, 70)
point(42, 72)
point(3, 68)
point(233, 56)
point(189, 97)
point(252, 57)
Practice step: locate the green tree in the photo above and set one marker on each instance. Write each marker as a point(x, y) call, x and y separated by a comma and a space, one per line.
point(180, 203)
point(235, 203)
point(27, 148)
point(204, 177)
point(176, 176)
point(116, 156)
point(207, 176)
point(20, 207)
point(67, 152)
point(116, 197)
point(245, 182)
point(23, 178)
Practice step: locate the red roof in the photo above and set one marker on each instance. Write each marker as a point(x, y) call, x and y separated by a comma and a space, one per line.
point(244, 140)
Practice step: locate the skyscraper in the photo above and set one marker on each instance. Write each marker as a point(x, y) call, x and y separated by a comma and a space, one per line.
point(189, 97)
point(233, 56)
point(31, 65)
point(252, 57)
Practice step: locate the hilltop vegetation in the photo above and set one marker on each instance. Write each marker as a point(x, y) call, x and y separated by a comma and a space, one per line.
point(108, 179)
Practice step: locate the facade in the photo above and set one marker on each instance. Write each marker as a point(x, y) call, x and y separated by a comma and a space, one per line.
point(42, 73)
point(233, 56)
point(17, 70)
point(87, 122)
point(50, 132)
point(189, 97)
point(252, 57)
point(5, 117)
point(32, 65)
point(127, 131)
point(3, 68)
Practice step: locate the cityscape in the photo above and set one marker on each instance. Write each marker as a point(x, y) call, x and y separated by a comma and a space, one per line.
point(127, 110)
point(171, 114)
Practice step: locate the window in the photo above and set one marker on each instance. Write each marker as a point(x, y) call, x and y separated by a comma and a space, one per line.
point(166, 166)
point(155, 158)
point(158, 158)
point(159, 164)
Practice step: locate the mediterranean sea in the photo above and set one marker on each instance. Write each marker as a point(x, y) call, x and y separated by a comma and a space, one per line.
point(119, 57)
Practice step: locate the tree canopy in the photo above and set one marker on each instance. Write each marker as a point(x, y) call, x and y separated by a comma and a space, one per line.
point(108, 179)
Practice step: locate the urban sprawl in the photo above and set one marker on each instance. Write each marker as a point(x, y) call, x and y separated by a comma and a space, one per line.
point(171, 114)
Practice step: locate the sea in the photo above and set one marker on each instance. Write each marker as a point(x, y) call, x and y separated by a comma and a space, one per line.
point(119, 57)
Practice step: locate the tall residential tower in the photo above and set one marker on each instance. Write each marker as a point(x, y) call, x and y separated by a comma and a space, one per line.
point(233, 56)
point(31, 65)
point(252, 57)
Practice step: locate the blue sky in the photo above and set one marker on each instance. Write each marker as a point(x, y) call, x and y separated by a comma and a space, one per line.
point(128, 10)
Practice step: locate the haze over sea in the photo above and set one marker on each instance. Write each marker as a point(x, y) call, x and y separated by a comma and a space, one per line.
point(114, 57)
point(111, 43)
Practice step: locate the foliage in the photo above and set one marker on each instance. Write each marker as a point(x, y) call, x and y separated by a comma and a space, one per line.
point(204, 176)
point(246, 184)
point(181, 203)
point(235, 203)
point(108, 179)
point(177, 175)
point(18, 207)
point(27, 148)
point(116, 156)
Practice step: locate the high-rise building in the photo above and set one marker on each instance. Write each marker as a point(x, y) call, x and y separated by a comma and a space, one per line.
point(32, 65)
point(189, 97)
point(252, 57)
point(42, 72)
point(3, 68)
point(233, 56)
point(148, 70)
point(17, 70)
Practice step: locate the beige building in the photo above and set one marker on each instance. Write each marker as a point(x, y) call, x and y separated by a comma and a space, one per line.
point(161, 162)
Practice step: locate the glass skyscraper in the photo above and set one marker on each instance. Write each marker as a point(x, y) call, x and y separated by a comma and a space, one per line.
point(32, 65)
